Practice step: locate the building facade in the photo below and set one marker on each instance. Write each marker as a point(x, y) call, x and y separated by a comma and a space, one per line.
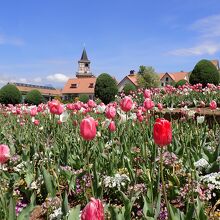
point(83, 83)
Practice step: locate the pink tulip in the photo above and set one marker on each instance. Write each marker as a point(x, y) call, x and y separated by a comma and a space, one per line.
point(213, 105)
point(148, 104)
point(36, 122)
point(202, 104)
point(110, 112)
point(112, 126)
point(33, 111)
point(91, 103)
point(147, 93)
point(88, 128)
point(56, 107)
point(160, 106)
point(93, 211)
point(4, 153)
point(126, 104)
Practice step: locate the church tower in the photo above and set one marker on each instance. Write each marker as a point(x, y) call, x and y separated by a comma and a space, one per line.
point(84, 66)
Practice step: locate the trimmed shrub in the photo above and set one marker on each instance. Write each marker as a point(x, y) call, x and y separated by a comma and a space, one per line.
point(204, 72)
point(84, 98)
point(34, 97)
point(129, 88)
point(106, 88)
point(180, 83)
point(9, 94)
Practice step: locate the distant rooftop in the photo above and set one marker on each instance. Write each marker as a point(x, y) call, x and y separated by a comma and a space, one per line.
point(35, 86)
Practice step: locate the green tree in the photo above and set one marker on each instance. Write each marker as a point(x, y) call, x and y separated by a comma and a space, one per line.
point(129, 88)
point(147, 77)
point(106, 88)
point(204, 72)
point(9, 94)
point(180, 83)
point(84, 98)
point(34, 97)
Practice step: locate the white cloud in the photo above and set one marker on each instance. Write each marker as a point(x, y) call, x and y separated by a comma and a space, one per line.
point(37, 79)
point(208, 27)
point(22, 80)
point(198, 50)
point(58, 77)
point(10, 40)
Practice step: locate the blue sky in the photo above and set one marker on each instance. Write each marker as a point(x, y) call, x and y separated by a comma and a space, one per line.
point(41, 41)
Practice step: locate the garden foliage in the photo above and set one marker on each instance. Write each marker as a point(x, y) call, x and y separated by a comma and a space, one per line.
point(106, 88)
point(9, 94)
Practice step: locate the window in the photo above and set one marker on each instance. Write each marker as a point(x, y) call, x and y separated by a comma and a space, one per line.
point(91, 85)
point(161, 84)
point(73, 85)
point(167, 79)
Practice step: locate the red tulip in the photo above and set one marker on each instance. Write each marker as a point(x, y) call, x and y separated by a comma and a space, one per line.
point(4, 153)
point(93, 211)
point(110, 112)
point(88, 128)
point(126, 104)
point(213, 105)
point(112, 126)
point(162, 132)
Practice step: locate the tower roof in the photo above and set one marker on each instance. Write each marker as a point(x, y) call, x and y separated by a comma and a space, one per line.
point(84, 56)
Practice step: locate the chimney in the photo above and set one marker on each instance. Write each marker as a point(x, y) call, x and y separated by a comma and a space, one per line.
point(131, 72)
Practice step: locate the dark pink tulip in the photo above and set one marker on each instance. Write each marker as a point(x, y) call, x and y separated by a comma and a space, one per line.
point(4, 153)
point(126, 104)
point(147, 93)
point(33, 111)
point(56, 107)
point(141, 118)
point(91, 103)
point(93, 211)
point(112, 126)
point(213, 105)
point(88, 128)
point(110, 112)
point(148, 104)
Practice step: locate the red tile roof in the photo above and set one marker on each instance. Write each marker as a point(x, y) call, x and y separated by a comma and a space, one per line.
point(133, 78)
point(176, 76)
point(82, 85)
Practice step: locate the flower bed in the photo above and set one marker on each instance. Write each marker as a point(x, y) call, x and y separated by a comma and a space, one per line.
point(128, 163)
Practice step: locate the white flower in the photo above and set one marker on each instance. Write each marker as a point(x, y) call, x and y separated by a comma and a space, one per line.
point(133, 116)
point(64, 116)
point(213, 179)
point(202, 163)
point(200, 119)
point(191, 113)
point(101, 108)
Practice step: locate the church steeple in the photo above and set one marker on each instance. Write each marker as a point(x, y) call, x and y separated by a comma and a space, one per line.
point(84, 66)
point(84, 56)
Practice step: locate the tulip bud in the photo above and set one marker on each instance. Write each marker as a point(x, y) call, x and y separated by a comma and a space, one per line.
point(162, 132)
point(93, 211)
point(126, 104)
point(88, 128)
point(148, 104)
point(213, 105)
point(112, 126)
point(4, 153)
point(110, 112)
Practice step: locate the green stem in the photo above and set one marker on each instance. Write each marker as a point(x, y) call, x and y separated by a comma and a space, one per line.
point(163, 182)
